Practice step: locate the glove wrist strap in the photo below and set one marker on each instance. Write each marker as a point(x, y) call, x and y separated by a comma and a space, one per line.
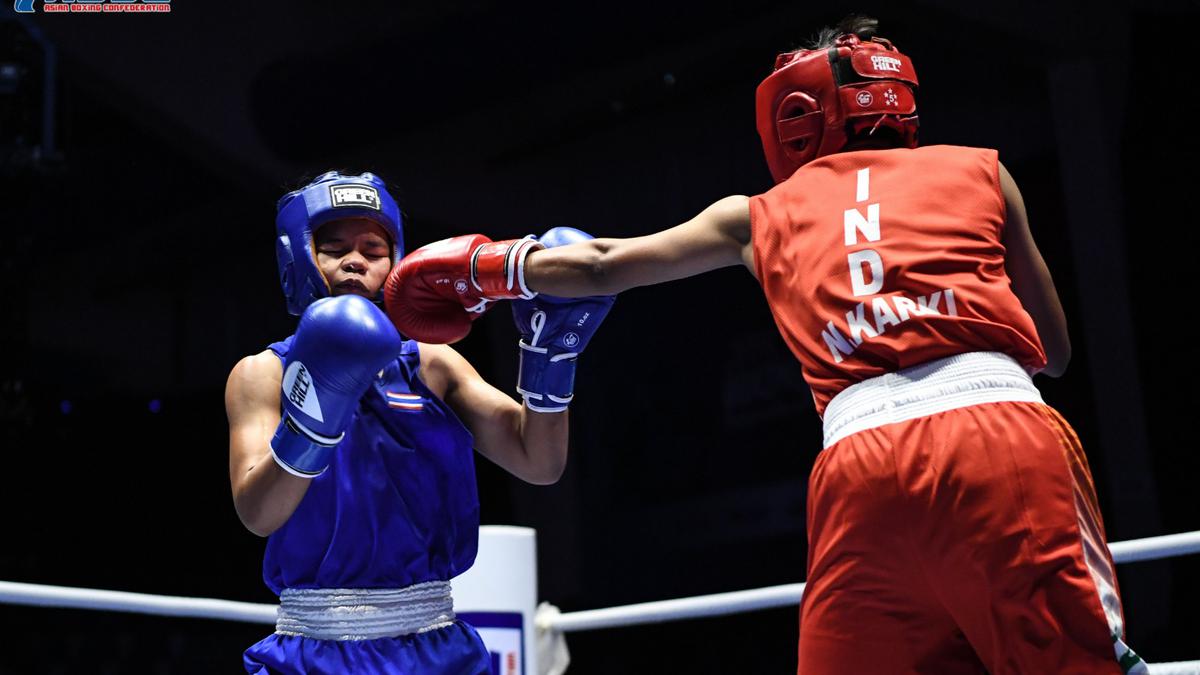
point(546, 381)
point(498, 269)
point(299, 451)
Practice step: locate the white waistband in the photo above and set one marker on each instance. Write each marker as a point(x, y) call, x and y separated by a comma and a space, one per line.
point(364, 613)
point(932, 387)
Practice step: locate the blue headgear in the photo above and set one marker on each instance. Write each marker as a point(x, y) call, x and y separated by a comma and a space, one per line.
point(299, 213)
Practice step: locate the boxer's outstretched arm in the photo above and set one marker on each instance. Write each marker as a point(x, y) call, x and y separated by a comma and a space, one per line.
point(718, 237)
point(531, 446)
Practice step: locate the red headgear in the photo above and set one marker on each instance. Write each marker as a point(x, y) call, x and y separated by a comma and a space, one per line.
point(816, 98)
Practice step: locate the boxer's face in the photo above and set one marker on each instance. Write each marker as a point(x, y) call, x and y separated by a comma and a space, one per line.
point(354, 255)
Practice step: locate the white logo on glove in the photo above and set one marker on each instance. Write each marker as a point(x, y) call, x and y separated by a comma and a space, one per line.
point(570, 340)
point(299, 388)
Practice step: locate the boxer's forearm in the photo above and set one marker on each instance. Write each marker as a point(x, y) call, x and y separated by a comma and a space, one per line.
point(529, 445)
point(266, 495)
point(717, 237)
point(544, 440)
point(605, 267)
point(577, 270)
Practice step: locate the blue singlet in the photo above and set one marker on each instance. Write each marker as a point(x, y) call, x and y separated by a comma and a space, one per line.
point(397, 506)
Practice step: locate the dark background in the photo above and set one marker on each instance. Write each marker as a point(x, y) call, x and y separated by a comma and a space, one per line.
point(137, 259)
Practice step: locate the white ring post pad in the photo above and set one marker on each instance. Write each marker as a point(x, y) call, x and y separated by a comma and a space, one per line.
point(498, 595)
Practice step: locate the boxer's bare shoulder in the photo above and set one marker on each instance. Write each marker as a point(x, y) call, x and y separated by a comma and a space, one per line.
point(440, 366)
point(252, 398)
point(253, 377)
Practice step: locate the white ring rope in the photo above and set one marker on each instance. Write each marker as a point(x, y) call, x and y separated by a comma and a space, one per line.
point(717, 604)
point(140, 603)
point(548, 618)
point(1154, 548)
point(1175, 668)
point(1134, 550)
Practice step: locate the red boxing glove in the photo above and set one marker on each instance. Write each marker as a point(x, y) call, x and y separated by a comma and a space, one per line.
point(498, 269)
point(436, 291)
point(429, 295)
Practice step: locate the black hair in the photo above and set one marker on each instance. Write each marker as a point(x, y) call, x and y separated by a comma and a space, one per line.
point(865, 27)
point(308, 177)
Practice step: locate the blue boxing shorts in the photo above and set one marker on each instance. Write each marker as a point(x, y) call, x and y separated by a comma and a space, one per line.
point(455, 649)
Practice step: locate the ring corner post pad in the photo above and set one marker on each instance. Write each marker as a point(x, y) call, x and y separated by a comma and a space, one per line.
point(498, 596)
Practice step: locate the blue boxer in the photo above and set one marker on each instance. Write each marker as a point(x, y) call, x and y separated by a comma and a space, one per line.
point(397, 507)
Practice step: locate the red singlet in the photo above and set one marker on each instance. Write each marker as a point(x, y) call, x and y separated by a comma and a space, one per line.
point(877, 260)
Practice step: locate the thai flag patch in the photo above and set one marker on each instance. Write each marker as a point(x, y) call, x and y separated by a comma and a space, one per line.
point(401, 401)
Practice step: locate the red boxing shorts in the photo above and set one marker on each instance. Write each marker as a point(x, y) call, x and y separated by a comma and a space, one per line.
point(953, 528)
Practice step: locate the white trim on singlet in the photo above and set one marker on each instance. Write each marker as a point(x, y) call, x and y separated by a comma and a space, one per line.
point(932, 387)
point(364, 613)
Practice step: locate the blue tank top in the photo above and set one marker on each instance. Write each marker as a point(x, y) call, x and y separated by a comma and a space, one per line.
point(398, 503)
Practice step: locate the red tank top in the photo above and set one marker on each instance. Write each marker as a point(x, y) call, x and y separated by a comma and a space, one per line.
point(877, 260)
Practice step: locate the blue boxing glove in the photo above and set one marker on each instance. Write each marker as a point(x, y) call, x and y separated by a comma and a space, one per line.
point(554, 331)
point(340, 346)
